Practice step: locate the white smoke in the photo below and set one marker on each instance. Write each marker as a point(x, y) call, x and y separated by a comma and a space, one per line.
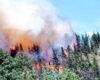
point(26, 14)
point(3, 43)
point(35, 16)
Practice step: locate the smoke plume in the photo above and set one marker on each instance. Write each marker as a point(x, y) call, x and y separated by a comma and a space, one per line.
point(33, 22)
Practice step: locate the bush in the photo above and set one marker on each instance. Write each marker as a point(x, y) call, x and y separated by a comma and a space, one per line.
point(68, 75)
point(15, 68)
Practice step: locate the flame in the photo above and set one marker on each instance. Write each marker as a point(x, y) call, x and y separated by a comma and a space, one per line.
point(46, 28)
point(66, 53)
point(13, 47)
point(73, 44)
point(37, 66)
point(52, 67)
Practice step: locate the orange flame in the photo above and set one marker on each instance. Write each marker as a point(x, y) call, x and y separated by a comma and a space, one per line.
point(66, 53)
point(37, 66)
point(13, 47)
point(73, 45)
point(52, 67)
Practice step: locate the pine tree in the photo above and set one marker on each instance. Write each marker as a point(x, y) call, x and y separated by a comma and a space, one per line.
point(96, 67)
point(95, 42)
point(78, 41)
point(85, 45)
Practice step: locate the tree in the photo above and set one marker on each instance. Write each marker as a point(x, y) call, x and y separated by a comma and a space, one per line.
point(85, 45)
point(96, 68)
point(95, 42)
point(78, 41)
point(55, 58)
point(15, 68)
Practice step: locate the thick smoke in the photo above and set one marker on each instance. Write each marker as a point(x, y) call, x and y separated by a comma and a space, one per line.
point(35, 21)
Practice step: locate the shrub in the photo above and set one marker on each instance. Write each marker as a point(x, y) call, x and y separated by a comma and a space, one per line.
point(68, 75)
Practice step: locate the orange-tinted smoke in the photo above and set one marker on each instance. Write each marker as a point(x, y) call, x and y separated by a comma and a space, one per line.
point(25, 41)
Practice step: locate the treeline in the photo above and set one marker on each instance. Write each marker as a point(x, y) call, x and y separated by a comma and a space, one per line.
point(88, 44)
point(83, 61)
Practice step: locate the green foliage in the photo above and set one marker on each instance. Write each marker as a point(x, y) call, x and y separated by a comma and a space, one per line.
point(95, 65)
point(95, 42)
point(68, 75)
point(78, 41)
point(96, 68)
point(76, 63)
point(48, 74)
point(3, 56)
point(85, 45)
point(15, 68)
point(79, 60)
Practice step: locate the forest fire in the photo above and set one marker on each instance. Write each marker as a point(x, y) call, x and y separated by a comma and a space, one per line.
point(38, 60)
point(36, 30)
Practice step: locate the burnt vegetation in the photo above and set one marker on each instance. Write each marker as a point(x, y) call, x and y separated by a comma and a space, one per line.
point(82, 64)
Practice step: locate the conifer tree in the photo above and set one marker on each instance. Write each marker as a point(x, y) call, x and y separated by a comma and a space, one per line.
point(85, 45)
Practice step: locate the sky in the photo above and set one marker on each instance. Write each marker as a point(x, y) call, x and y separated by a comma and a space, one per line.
point(84, 15)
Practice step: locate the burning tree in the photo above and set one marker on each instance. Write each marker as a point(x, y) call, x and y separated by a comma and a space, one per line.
point(19, 68)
